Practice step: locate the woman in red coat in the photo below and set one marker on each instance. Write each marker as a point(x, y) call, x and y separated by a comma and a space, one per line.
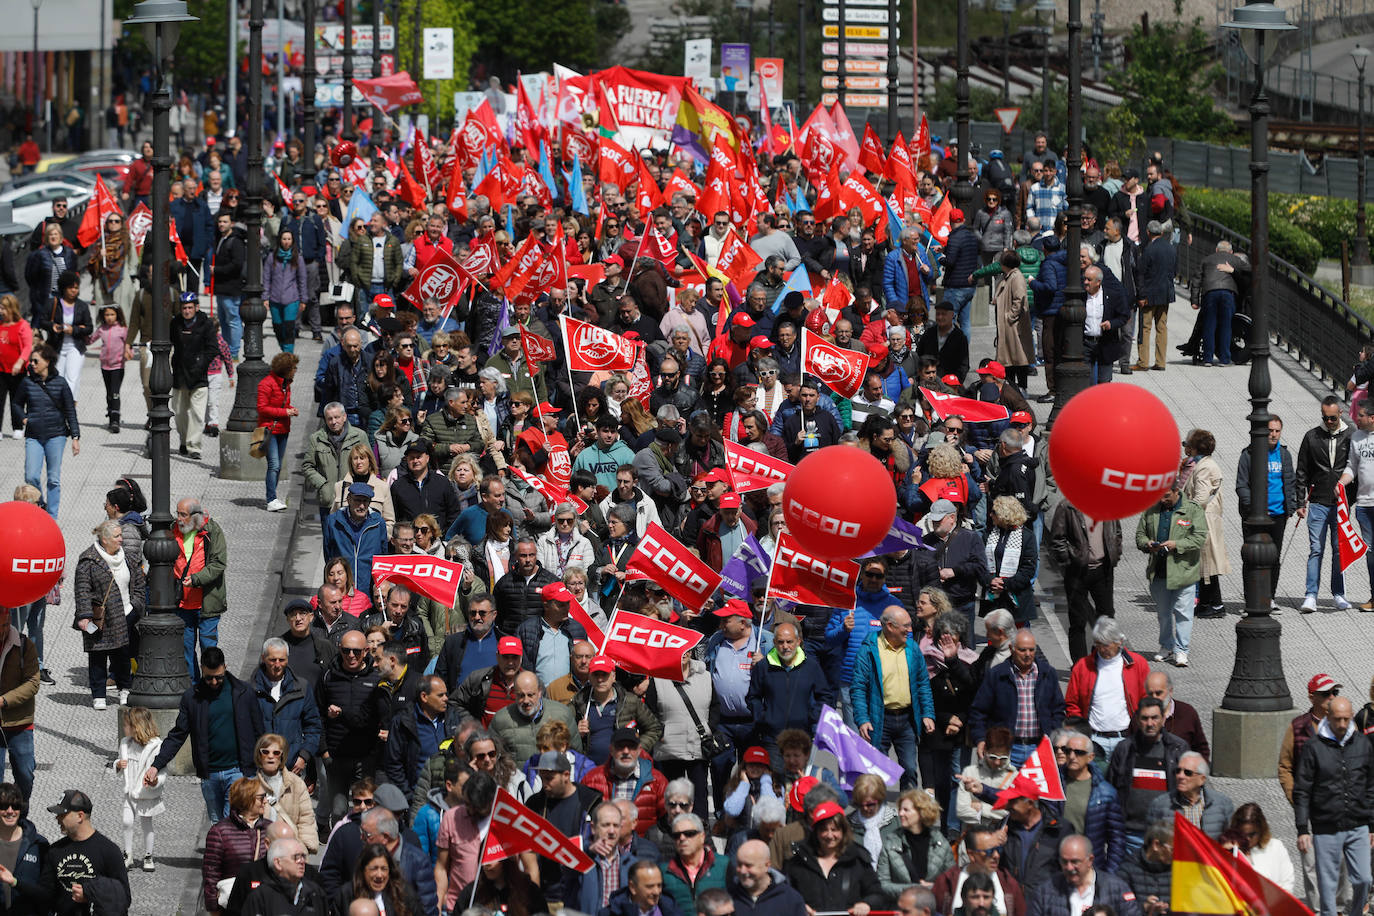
point(275, 413)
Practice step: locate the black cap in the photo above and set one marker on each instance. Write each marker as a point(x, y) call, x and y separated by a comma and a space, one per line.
point(72, 800)
point(665, 434)
point(793, 300)
point(1128, 174)
point(418, 445)
point(625, 736)
point(389, 325)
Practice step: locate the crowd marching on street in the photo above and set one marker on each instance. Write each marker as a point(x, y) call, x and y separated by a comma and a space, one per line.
point(584, 387)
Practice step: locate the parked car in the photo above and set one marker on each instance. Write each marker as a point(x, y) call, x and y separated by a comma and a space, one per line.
point(32, 202)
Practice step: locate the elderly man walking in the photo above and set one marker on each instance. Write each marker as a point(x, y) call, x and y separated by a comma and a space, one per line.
point(891, 691)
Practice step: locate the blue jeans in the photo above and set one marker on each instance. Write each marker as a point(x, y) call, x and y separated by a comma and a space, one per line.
point(900, 732)
point(284, 324)
point(1019, 752)
point(1217, 308)
point(19, 749)
point(276, 448)
point(1321, 526)
point(230, 323)
point(207, 628)
point(959, 299)
point(36, 452)
point(365, 297)
point(1099, 367)
point(847, 706)
point(1328, 849)
point(1174, 606)
point(215, 790)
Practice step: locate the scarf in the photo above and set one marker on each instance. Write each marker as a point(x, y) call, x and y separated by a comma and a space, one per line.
point(1010, 543)
point(112, 261)
point(284, 255)
point(119, 569)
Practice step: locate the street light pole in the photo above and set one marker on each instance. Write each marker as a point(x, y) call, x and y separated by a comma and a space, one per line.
point(1360, 256)
point(162, 677)
point(1006, 7)
point(1257, 682)
point(308, 113)
point(1045, 7)
point(348, 131)
point(1071, 369)
point(963, 183)
point(801, 57)
point(34, 72)
point(375, 140)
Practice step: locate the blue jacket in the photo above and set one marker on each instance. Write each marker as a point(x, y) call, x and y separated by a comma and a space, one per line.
point(32, 857)
point(1048, 285)
point(961, 257)
point(295, 716)
point(358, 545)
point(418, 870)
point(792, 697)
point(589, 885)
point(309, 234)
point(48, 407)
point(622, 905)
point(866, 690)
point(842, 646)
point(894, 277)
point(995, 702)
point(192, 215)
point(1104, 823)
point(895, 382)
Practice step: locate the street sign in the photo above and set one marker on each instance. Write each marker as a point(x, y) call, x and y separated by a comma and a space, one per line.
point(330, 37)
point(861, 14)
point(438, 54)
point(870, 32)
point(1008, 118)
point(866, 83)
point(855, 49)
point(856, 100)
point(697, 60)
point(331, 65)
point(770, 76)
point(832, 65)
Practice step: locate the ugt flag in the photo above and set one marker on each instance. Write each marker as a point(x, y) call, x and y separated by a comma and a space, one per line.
point(854, 755)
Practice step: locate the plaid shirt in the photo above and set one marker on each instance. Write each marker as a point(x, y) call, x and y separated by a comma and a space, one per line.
point(1044, 202)
point(1027, 720)
point(610, 876)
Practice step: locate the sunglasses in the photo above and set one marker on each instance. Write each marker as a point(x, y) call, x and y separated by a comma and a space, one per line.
point(347, 651)
point(1077, 752)
point(364, 802)
point(423, 529)
point(677, 835)
point(270, 752)
point(678, 804)
point(212, 678)
point(1003, 757)
point(954, 429)
point(1184, 771)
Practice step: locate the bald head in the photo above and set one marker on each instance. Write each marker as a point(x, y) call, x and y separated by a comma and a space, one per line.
point(752, 861)
point(1023, 649)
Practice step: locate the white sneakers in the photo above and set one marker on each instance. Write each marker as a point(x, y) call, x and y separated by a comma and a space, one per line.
point(124, 698)
point(276, 505)
point(1341, 603)
point(17, 434)
point(1309, 604)
point(99, 703)
point(1181, 660)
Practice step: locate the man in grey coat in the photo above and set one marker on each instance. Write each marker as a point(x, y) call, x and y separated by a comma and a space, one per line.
point(1158, 265)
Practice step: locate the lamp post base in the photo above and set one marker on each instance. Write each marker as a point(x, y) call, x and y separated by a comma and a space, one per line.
point(1245, 745)
point(1362, 274)
point(234, 461)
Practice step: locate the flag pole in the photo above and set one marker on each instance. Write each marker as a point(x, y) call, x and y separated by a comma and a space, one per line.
point(768, 587)
point(563, 327)
point(482, 855)
point(629, 268)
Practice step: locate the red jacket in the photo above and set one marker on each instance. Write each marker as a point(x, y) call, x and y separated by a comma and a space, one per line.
point(274, 405)
point(708, 539)
point(1078, 697)
point(649, 799)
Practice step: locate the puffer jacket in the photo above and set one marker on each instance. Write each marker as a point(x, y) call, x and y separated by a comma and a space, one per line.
point(294, 716)
point(650, 786)
point(1105, 821)
point(1145, 878)
point(961, 257)
point(851, 879)
point(894, 874)
point(95, 586)
point(1344, 768)
point(1048, 284)
point(229, 845)
point(355, 731)
point(842, 646)
point(295, 806)
point(274, 405)
point(48, 406)
point(283, 281)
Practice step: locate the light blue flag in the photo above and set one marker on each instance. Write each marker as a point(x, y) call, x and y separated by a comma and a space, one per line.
point(799, 282)
point(360, 205)
point(894, 224)
point(546, 171)
point(576, 193)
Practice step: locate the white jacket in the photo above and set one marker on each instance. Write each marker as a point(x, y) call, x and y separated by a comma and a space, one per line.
point(145, 799)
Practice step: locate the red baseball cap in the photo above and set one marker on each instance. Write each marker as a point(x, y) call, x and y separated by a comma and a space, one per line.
point(1022, 416)
point(994, 369)
point(760, 343)
point(757, 755)
point(603, 663)
point(556, 591)
point(615, 259)
point(956, 215)
point(825, 811)
point(734, 608)
point(383, 301)
point(951, 380)
point(742, 320)
point(797, 793)
point(877, 353)
point(509, 645)
point(1321, 683)
point(729, 500)
point(546, 407)
point(631, 335)
point(715, 475)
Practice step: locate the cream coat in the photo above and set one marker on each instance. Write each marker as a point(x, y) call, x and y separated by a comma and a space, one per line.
point(1204, 488)
point(1015, 346)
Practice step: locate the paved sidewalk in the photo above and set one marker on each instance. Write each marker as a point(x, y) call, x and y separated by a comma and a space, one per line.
point(76, 744)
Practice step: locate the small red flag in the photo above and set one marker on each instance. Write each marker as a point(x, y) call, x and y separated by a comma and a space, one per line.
point(842, 370)
point(648, 646)
point(1352, 545)
point(751, 470)
point(429, 576)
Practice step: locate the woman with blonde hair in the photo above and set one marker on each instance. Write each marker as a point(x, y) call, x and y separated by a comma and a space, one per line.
point(949, 479)
point(870, 813)
point(1011, 556)
point(914, 850)
point(288, 799)
point(636, 426)
point(362, 468)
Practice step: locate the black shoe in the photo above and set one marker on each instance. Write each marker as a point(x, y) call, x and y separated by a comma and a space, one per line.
point(1047, 398)
point(114, 426)
point(1210, 613)
point(318, 338)
point(212, 430)
point(45, 676)
point(195, 456)
point(1032, 371)
point(182, 451)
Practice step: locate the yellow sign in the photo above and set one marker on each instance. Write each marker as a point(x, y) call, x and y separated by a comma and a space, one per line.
point(859, 31)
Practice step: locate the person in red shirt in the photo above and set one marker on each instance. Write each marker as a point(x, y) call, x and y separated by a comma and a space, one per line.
point(138, 183)
point(733, 347)
point(29, 154)
point(425, 244)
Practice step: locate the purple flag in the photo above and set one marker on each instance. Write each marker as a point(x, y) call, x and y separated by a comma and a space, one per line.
point(750, 562)
point(901, 536)
point(502, 322)
point(855, 755)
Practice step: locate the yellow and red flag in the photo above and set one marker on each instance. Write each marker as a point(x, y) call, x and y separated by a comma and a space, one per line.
point(1210, 881)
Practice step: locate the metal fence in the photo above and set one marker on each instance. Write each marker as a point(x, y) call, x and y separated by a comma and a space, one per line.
point(1313, 324)
point(1209, 165)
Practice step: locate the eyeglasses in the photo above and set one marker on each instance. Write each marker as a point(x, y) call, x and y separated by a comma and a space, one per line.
point(347, 651)
point(565, 521)
point(990, 851)
point(954, 429)
point(484, 755)
point(678, 804)
point(404, 421)
point(11, 806)
point(1001, 757)
point(423, 529)
point(363, 802)
point(212, 678)
point(260, 796)
point(1184, 771)
point(270, 752)
point(677, 835)
point(1335, 419)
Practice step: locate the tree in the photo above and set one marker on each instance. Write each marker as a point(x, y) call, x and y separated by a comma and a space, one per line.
point(200, 52)
point(1167, 80)
point(529, 35)
point(437, 14)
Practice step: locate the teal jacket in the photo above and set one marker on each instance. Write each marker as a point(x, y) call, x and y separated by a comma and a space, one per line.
point(866, 687)
point(684, 892)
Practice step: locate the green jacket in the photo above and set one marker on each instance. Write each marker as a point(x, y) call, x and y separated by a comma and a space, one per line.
point(444, 621)
point(714, 872)
point(443, 430)
point(360, 261)
point(1188, 531)
point(518, 730)
point(1030, 261)
point(323, 466)
point(517, 376)
point(211, 577)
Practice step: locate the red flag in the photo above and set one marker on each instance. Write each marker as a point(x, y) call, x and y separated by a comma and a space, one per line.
point(456, 195)
point(493, 188)
point(827, 204)
point(820, 152)
point(526, 258)
point(647, 196)
point(93, 220)
point(518, 829)
point(871, 153)
point(1209, 879)
point(836, 298)
point(139, 222)
point(766, 124)
point(659, 248)
point(678, 183)
point(738, 261)
point(537, 349)
point(939, 220)
point(922, 139)
point(177, 251)
point(390, 92)
point(801, 578)
point(648, 646)
point(409, 190)
point(535, 275)
point(441, 278)
point(481, 132)
point(429, 576)
point(664, 559)
point(899, 167)
point(528, 130)
point(595, 349)
point(844, 137)
point(617, 163)
point(1351, 544)
point(553, 494)
point(753, 470)
point(1038, 778)
point(971, 409)
point(842, 370)
point(641, 383)
point(482, 259)
point(423, 159)
point(715, 193)
point(857, 192)
point(595, 634)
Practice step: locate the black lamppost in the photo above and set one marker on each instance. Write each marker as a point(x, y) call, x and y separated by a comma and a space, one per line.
point(1045, 8)
point(892, 57)
point(308, 112)
point(348, 132)
point(37, 69)
point(801, 54)
point(375, 141)
point(1071, 369)
point(1360, 256)
point(162, 676)
point(963, 184)
point(1006, 7)
point(1257, 683)
point(234, 461)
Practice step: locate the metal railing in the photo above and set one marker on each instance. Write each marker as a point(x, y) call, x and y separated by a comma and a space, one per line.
point(1213, 166)
point(1312, 323)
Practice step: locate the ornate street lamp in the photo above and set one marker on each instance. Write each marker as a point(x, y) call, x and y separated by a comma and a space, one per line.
point(161, 677)
point(1045, 8)
point(1359, 259)
point(1071, 369)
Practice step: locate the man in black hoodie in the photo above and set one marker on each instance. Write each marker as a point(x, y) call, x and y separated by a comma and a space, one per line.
point(349, 746)
point(195, 344)
point(1322, 458)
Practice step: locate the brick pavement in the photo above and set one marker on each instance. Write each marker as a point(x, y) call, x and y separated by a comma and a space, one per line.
point(75, 744)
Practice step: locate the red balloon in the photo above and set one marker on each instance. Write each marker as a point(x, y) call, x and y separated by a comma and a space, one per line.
point(32, 553)
point(1114, 450)
point(839, 502)
point(343, 153)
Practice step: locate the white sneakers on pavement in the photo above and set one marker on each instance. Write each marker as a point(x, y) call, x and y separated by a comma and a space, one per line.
point(99, 703)
point(1341, 603)
point(276, 505)
point(124, 697)
point(1309, 604)
point(1181, 660)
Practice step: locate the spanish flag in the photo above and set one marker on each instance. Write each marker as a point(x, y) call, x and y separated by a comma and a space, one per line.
point(1209, 880)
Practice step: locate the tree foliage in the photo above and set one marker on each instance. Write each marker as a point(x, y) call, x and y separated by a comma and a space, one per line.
point(1167, 79)
point(530, 35)
point(201, 50)
point(437, 14)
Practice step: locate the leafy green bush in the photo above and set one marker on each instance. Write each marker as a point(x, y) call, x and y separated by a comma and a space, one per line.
point(1287, 240)
point(1331, 220)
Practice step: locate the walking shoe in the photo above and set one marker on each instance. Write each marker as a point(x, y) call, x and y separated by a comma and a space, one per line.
point(1341, 603)
point(17, 434)
point(194, 456)
point(1209, 611)
point(1309, 605)
point(1046, 398)
point(113, 426)
point(1158, 368)
point(1368, 605)
point(148, 864)
point(1181, 660)
point(45, 676)
point(130, 863)
point(212, 430)
point(1140, 367)
point(1162, 656)
point(124, 697)
point(276, 505)
point(98, 703)
point(182, 451)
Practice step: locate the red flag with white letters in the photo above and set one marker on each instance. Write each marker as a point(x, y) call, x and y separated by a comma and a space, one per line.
point(553, 494)
point(1039, 774)
point(595, 349)
point(751, 470)
point(429, 576)
point(537, 349)
point(515, 828)
point(648, 646)
point(1352, 545)
point(871, 152)
point(799, 577)
point(665, 560)
point(842, 370)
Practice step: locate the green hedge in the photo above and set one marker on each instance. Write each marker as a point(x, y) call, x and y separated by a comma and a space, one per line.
point(1287, 239)
point(1331, 220)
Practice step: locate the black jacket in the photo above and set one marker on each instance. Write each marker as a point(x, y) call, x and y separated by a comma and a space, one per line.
point(250, 876)
point(518, 599)
point(229, 254)
point(1052, 897)
point(1146, 878)
point(1290, 489)
point(26, 897)
point(1130, 257)
point(621, 905)
point(354, 733)
point(195, 344)
point(961, 257)
point(403, 758)
point(1315, 474)
point(851, 879)
point(1345, 773)
point(435, 497)
point(48, 406)
point(273, 897)
point(1121, 208)
point(952, 357)
point(1016, 476)
point(868, 274)
point(817, 253)
point(963, 552)
point(81, 324)
point(1031, 866)
point(779, 898)
point(1158, 265)
point(193, 721)
point(827, 432)
point(531, 634)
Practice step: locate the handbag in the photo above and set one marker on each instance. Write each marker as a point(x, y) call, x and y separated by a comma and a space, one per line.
point(257, 446)
point(97, 610)
point(711, 745)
